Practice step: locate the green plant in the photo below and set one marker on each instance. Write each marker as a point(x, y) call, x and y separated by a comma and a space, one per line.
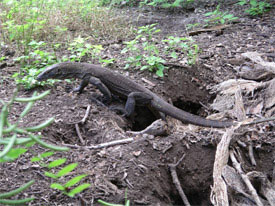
point(32, 64)
point(23, 21)
point(146, 57)
point(166, 3)
point(183, 45)
point(117, 2)
point(65, 188)
point(192, 26)
point(256, 7)
point(79, 49)
point(127, 202)
point(219, 17)
point(17, 140)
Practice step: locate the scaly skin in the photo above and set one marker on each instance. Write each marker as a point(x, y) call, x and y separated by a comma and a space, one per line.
point(123, 87)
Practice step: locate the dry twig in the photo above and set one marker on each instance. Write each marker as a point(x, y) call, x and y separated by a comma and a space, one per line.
point(79, 134)
point(218, 195)
point(177, 182)
point(250, 152)
point(102, 145)
point(245, 178)
point(86, 114)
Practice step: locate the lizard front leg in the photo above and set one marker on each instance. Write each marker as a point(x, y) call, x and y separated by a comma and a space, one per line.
point(136, 97)
point(102, 88)
point(97, 83)
point(83, 84)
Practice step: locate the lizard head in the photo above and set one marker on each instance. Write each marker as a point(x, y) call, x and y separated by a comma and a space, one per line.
point(51, 72)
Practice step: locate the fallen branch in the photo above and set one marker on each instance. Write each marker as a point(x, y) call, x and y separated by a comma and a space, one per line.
point(219, 195)
point(79, 134)
point(257, 121)
point(214, 28)
point(86, 114)
point(177, 182)
point(99, 146)
point(83, 120)
point(250, 152)
point(245, 178)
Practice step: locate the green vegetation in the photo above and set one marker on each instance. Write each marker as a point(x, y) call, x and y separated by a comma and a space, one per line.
point(144, 53)
point(61, 20)
point(154, 3)
point(17, 141)
point(182, 45)
point(33, 63)
point(66, 187)
point(127, 202)
point(255, 7)
point(166, 3)
point(148, 56)
point(40, 30)
point(218, 17)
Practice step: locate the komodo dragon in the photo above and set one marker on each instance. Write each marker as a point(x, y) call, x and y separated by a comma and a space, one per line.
point(110, 82)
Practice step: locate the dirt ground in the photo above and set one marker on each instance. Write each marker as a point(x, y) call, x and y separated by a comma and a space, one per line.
point(141, 167)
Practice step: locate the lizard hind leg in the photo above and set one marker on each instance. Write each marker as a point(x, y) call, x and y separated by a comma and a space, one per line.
point(139, 98)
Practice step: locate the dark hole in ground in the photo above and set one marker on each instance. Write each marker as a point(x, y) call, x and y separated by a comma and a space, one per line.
point(188, 106)
point(195, 198)
point(144, 117)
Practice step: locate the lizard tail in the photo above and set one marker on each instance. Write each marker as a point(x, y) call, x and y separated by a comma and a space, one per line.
point(186, 117)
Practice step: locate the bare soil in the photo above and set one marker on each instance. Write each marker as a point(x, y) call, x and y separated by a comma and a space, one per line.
point(141, 167)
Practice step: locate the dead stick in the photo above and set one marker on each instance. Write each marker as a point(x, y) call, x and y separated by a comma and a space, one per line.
point(79, 134)
point(257, 121)
point(273, 175)
point(177, 182)
point(245, 178)
point(99, 146)
point(86, 114)
point(219, 196)
point(250, 152)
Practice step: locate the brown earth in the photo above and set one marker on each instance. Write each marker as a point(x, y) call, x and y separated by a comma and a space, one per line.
point(141, 168)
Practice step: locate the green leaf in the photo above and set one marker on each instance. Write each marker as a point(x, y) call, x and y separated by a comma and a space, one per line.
point(228, 16)
point(125, 50)
point(13, 154)
point(16, 191)
point(144, 67)
point(9, 146)
point(67, 169)
point(56, 163)
point(78, 189)
point(174, 55)
point(108, 204)
point(127, 66)
point(36, 159)
point(74, 180)
point(57, 186)
point(159, 72)
point(16, 202)
point(208, 13)
point(47, 154)
point(51, 175)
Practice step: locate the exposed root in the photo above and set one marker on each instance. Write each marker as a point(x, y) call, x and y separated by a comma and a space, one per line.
point(177, 182)
point(245, 178)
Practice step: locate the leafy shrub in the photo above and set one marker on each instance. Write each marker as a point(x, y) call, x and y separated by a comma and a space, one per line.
point(17, 141)
point(24, 21)
point(144, 54)
point(219, 17)
point(256, 7)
